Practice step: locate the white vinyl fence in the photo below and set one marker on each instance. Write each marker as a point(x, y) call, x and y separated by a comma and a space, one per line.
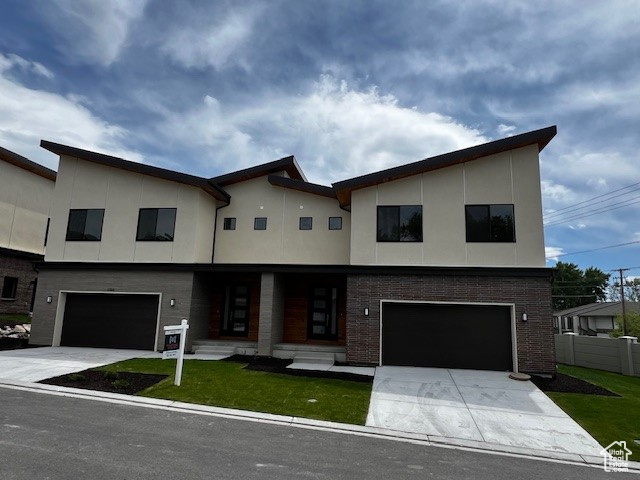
point(620, 355)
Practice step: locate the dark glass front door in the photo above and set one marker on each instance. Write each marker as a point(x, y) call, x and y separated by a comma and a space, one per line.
point(323, 313)
point(235, 314)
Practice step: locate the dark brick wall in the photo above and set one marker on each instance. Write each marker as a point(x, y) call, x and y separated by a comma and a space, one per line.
point(532, 295)
point(22, 269)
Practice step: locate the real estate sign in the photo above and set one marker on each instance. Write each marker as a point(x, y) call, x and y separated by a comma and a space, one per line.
point(175, 337)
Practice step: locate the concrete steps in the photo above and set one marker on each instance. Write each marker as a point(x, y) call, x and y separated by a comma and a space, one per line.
point(223, 347)
point(319, 358)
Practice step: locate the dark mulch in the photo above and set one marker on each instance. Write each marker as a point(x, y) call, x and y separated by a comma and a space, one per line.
point(122, 382)
point(279, 365)
point(14, 343)
point(568, 384)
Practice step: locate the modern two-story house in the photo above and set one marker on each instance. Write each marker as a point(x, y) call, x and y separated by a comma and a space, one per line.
point(435, 263)
point(25, 195)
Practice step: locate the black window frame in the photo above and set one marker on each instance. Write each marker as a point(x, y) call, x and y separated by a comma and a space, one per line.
point(46, 232)
point(302, 223)
point(157, 237)
point(489, 233)
point(335, 228)
point(257, 226)
point(9, 288)
point(229, 223)
point(399, 238)
point(76, 217)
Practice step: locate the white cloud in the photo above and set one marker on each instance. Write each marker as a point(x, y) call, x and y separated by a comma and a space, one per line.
point(28, 115)
point(215, 44)
point(335, 132)
point(12, 60)
point(91, 32)
point(506, 130)
point(552, 253)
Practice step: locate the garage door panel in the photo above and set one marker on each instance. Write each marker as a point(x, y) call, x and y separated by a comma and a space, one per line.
point(447, 336)
point(110, 320)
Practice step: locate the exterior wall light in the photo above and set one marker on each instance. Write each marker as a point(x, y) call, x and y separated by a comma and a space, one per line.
point(49, 299)
point(366, 312)
point(524, 317)
point(172, 302)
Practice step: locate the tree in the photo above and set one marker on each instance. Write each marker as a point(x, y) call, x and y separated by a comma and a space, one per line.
point(631, 290)
point(633, 325)
point(573, 287)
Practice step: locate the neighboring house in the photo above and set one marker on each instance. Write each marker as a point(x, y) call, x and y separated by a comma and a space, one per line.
point(435, 263)
point(595, 319)
point(25, 195)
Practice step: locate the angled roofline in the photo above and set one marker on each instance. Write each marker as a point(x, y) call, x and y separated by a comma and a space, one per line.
point(302, 186)
point(214, 190)
point(596, 309)
point(287, 164)
point(26, 164)
point(540, 137)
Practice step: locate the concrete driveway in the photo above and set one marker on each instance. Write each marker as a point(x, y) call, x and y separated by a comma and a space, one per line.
point(476, 406)
point(35, 364)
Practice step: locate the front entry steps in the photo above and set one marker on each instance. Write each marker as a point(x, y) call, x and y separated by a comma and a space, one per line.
point(310, 354)
point(224, 347)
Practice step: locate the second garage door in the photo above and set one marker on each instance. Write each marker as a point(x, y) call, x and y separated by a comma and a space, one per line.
point(447, 336)
point(110, 320)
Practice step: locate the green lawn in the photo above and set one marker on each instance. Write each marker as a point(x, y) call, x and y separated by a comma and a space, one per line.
point(607, 419)
point(14, 319)
point(227, 384)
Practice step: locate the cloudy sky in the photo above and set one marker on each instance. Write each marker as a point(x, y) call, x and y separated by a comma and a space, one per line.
point(347, 87)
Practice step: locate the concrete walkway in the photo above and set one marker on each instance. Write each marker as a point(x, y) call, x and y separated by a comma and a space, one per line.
point(476, 406)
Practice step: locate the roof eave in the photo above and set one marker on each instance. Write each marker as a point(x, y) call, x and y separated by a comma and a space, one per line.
point(541, 137)
point(26, 164)
point(141, 168)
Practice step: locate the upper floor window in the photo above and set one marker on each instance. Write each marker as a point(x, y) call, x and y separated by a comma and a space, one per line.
point(335, 223)
point(85, 224)
point(400, 223)
point(156, 224)
point(306, 223)
point(229, 223)
point(260, 223)
point(490, 223)
point(9, 287)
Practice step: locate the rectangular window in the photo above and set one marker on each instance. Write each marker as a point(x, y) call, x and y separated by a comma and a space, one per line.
point(306, 223)
point(9, 287)
point(335, 223)
point(490, 223)
point(400, 223)
point(85, 224)
point(260, 223)
point(156, 224)
point(230, 223)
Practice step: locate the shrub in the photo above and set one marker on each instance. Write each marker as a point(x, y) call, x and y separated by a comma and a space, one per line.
point(120, 383)
point(77, 377)
point(111, 376)
point(633, 325)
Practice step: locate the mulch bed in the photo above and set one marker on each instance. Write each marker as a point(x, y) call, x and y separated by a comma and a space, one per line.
point(279, 365)
point(566, 384)
point(7, 343)
point(122, 382)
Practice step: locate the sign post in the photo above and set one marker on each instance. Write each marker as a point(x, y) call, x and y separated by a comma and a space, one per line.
point(175, 337)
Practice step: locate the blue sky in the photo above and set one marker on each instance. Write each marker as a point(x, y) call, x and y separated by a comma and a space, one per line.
point(347, 87)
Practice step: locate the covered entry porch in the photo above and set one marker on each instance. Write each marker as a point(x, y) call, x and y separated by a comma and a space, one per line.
point(281, 314)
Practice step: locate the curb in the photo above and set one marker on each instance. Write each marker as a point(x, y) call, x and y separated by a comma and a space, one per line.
point(300, 422)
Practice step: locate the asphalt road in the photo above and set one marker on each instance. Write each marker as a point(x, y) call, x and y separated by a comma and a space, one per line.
point(51, 437)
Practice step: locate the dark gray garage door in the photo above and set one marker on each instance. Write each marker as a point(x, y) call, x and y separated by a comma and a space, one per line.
point(110, 320)
point(447, 336)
